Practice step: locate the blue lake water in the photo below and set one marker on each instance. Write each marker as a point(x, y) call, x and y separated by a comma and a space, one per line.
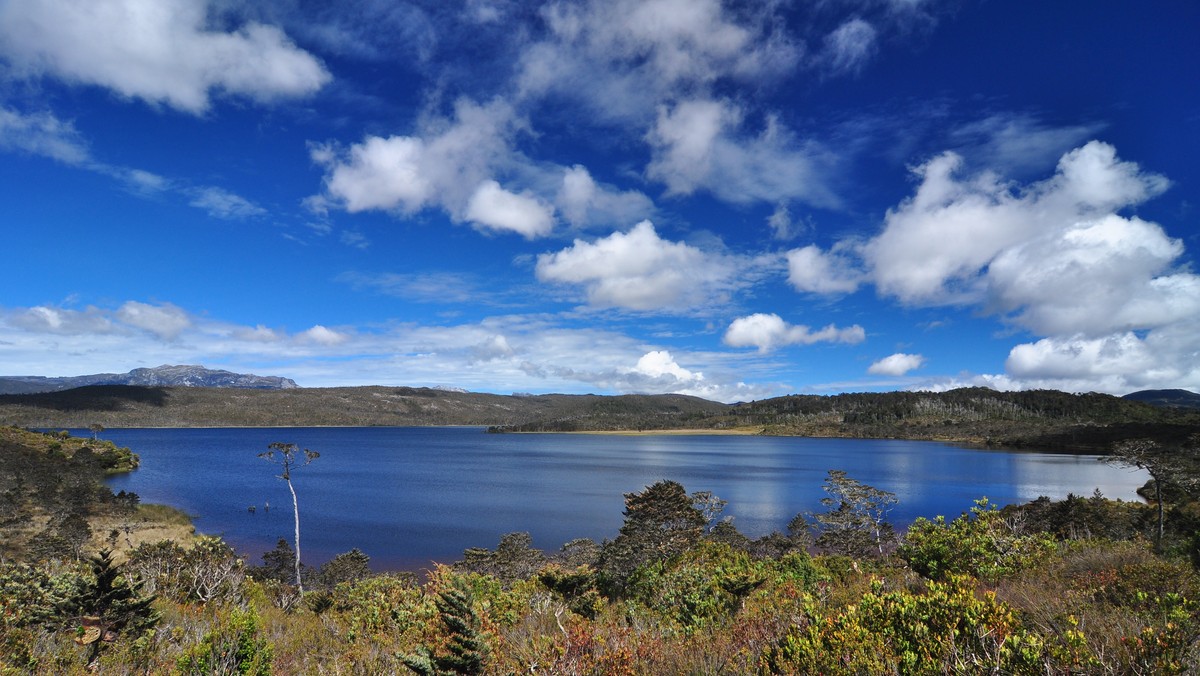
point(409, 496)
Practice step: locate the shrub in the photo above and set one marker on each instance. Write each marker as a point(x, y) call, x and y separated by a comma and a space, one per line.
point(978, 543)
point(234, 645)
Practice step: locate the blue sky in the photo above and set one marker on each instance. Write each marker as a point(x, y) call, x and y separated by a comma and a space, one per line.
point(734, 200)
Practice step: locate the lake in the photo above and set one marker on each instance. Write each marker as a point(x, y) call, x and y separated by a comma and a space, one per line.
point(410, 496)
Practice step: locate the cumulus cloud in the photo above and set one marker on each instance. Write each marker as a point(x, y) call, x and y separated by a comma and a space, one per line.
point(494, 348)
point(638, 270)
point(935, 246)
point(770, 331)
point(896, 365)
point(584, 202)
point(166, 321)
point(453, 164)
point(1118, 363)
point(1104, 292)
point(442, 165)
point(161, 52)
point(495, 208)
point(320, 335)
point(659, 364)
point(816, 271)
point(620, 58)
point(697, 145)
point(1093, 278)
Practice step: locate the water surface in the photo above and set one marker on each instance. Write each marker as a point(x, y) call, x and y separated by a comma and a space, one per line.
point(409, 496)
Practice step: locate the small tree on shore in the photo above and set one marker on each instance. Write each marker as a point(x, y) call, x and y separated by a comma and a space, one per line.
point(1176, 467)
point(289, 459)
point(856, 523)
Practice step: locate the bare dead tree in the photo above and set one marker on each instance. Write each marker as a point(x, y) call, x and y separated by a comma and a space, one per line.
point(289, 459)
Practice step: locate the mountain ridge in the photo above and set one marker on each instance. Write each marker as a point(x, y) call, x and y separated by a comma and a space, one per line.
point(166, 375)
point(1166, 398)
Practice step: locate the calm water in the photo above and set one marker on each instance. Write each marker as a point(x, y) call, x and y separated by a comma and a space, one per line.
point(409, 496)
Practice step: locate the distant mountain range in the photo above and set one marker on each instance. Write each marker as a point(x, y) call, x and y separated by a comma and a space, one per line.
point(1167, 398)
point(161, 376)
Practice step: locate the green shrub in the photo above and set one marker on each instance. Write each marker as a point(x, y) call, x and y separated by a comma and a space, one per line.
point(978, 543)
point(234, 645)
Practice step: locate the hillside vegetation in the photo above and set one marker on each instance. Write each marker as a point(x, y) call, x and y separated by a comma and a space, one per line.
point(128, 406)
point(54, 503)
point(1043, 419)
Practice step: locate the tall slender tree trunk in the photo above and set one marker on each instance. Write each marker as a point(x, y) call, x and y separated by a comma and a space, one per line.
point(296, 513)
point(1158, 497)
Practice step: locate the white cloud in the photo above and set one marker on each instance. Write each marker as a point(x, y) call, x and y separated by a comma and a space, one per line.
point(621, 57)
point(1106, 294)
point(42, 134)
point(769, 331)
point(43, 319)
point(323, 336)
point(456, 165)
point(165, 321)
point(896, 365)
point(1019, 143)
point(936, 245)
point(850, 46)
point(495, 208)
point(259, 333)
point(697, 146)
point(638, 270)
point(221, 203)
point(379, 173)
point(1093, 278)
point(659, 363)
point(1117, 363)
point(781, 223)
point(494, 348)
point(584, 202)
point(160, 51)
point(522, 353)
point(815, 271)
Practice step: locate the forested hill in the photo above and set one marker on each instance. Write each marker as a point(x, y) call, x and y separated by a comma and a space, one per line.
point(131, 406)
point(1041, 418)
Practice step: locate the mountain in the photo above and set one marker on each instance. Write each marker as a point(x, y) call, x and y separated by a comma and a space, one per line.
point(161, 376)
point(1167, 398)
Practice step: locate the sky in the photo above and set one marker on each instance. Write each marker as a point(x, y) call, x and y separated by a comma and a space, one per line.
point(733, 200)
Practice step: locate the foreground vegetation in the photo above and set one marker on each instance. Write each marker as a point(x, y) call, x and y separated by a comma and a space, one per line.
point(1085, 585)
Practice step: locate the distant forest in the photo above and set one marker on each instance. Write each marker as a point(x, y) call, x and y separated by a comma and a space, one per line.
point(1044, 419)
